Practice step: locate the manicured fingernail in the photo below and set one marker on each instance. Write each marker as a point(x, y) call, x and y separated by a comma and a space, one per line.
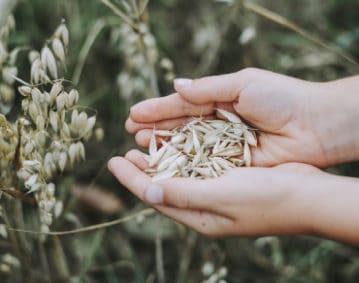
point(183, 82)
point(154, 194)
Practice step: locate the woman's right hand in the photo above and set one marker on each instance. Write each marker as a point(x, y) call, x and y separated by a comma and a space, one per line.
point(299, 121)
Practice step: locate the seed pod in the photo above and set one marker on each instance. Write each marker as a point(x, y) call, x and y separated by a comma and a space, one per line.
point(25, 90)
point(59, 206)
point(73, 97)
point(9, 74)
point(179, 138)
point(58, 49)
point(40, 123)
point(29, 147)
point(66, 131)
point(37, 96)
point(153, 144)
point(164, 175)
point(49, 62)
point(55, 90)
point(250, 138)
point(72, 153)
point(80, 150)
point(155, 158)
point(60, 101)
point(62, 33)
point(33, 55)
point(165, 163)
point(229, 116)
point(90, 124)
point(53, 120)
point(62, 161)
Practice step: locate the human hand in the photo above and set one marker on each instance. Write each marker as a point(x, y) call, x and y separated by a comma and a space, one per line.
point(298, 120)
point(244, 201)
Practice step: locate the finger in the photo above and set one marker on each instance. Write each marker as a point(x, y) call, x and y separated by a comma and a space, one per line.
point(130, 176)
point(169, 107)
point(182, 193)
point(138, 158)
point(223, 88)
point(143, 137)
point(133, 127)
point(185, 193)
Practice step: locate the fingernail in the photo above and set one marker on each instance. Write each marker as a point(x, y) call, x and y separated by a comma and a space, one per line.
point(182, 82)
point(154, 194)
point(111, 163)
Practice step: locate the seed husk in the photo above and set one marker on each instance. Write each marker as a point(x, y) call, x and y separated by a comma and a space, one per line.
point(201, 148)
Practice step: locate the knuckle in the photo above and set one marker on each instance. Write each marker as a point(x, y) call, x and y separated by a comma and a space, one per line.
point(130, 153)
point(129, 126)
point(248, 72)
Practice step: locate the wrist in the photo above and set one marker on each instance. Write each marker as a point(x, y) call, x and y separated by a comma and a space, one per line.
point(330, 207)
point(335, 119)
point(292, 215)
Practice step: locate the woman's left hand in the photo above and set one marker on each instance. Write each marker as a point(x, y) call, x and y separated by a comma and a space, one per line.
point(244, 201)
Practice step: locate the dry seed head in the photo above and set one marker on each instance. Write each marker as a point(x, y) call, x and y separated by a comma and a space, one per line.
point(201, 148)
point(49, 62)
point(62, 33)
point(58, 49)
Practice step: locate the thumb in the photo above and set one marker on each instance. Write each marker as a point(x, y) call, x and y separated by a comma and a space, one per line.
point(222, 88)
point(183, 193)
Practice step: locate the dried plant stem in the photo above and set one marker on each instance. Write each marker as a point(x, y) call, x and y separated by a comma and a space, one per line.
point(268, 14)
point(159, 254)
point(59, 259)
point(135, 8)
point(43, 260)
point(119, 13)
point(16, 207)
point(144, 212)
point(186, 257)
point(91, 37)
point(143, 6)
point(12, 235)
point(114, 265)
point(211, 58)
point(94, 246)
point(153, 75)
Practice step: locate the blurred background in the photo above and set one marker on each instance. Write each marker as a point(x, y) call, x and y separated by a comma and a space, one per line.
point(127, 51)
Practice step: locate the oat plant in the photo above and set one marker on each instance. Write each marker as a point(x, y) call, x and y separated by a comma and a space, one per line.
point(45, 139)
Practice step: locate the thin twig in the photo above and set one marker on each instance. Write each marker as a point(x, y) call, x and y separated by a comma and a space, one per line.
point(93, 34)
point(119, 13)
point(142, 8)
point(117, 264)
point(144, 212)
point(266, 13)
point(210, 58)
point(159, 253)
point(186, 257)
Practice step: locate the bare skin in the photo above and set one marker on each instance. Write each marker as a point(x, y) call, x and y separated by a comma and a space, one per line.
point(301, 122)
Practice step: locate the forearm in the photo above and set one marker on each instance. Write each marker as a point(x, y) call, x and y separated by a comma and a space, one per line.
point(337, 119)
point(330, 207)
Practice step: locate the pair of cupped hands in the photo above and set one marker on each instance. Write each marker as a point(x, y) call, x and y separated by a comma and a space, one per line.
point(281, 192)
